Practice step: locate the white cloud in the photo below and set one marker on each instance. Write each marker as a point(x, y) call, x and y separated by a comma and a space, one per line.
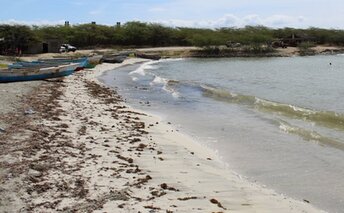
point(39, 23)
point(226, 20)
point(229, 20)
point(252, 20)
point(282, 20)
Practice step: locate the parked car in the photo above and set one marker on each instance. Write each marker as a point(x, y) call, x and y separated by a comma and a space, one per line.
point(67, 48)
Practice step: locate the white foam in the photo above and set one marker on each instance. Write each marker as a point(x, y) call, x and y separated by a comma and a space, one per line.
point(139, 71)
point(284, 127)
point(299, 109)
point(159, 80)
point(150, 67)
point(145, 66)
point(172, 59)
point(174, 93)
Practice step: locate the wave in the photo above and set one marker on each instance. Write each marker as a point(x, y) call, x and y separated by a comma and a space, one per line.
point(224, 95)
point(310, 135)
point(134, 79)
point(145, 66)
point(149, 66)
point(170, 87)
point(325, 118)
point(159, 80)
point(171, 59)
point(172, 91)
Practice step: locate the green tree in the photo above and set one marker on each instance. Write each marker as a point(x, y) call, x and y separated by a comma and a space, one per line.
point(17, 36)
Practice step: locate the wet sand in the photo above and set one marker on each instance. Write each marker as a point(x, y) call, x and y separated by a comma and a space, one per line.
point(84, 150)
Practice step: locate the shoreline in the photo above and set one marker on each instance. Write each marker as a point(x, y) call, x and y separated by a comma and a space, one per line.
point(84, 149)
point(188, 52)
point(198, 52)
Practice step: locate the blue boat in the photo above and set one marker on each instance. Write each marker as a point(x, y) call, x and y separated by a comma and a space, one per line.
point(32, 64)
point(37, 73)
point(83, 62)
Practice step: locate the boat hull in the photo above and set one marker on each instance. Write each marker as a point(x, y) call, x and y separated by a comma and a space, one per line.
point(147, 56)
point(83, 63)
point(114, 59)
point(94, 60)
point(38, 74)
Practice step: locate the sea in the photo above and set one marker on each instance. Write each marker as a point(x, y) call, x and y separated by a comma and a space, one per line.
point(277, 121)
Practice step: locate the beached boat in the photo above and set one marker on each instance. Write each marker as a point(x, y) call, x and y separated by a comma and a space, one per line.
point(114, 58)
point(41, 63)
point(83, 62)
point(126, 53)
point(36, 73)
point(148, 56)
point(34, 64)
point(94, 60)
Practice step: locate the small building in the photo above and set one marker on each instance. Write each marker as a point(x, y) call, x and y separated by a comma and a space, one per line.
point(294, 40)
point(291, 41)
point(47, 46)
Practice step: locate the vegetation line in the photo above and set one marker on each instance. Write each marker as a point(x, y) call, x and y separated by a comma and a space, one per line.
point(149, 34)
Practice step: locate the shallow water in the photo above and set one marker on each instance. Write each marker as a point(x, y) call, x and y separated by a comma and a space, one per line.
point(278, 121)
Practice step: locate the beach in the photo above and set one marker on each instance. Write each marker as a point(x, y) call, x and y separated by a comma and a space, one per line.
point(74, 145)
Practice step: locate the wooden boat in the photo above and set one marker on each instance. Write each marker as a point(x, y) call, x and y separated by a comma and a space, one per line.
point(41, 63)
point(114, 58)
point(55, 60)
point(148, 56)
point(34, 64)
point(31, 74)
point(94, 60)
point(83, 62)
point(126, 53)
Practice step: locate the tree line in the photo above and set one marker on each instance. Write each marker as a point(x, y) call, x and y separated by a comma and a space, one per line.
point(152, 34)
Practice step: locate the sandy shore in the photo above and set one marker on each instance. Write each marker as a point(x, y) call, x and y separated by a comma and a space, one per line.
point(84, 150)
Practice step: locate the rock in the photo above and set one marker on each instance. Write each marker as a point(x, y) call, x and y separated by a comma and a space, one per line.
point(34, 173)
point(39, 167)
point(306, 201)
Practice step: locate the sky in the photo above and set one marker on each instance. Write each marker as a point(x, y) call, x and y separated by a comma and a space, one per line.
point(182, 13)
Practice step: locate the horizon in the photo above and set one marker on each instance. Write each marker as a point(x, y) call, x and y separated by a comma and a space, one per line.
point(177, 13)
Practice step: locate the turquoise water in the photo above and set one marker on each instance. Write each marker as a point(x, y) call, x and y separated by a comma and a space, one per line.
point(277, 121)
